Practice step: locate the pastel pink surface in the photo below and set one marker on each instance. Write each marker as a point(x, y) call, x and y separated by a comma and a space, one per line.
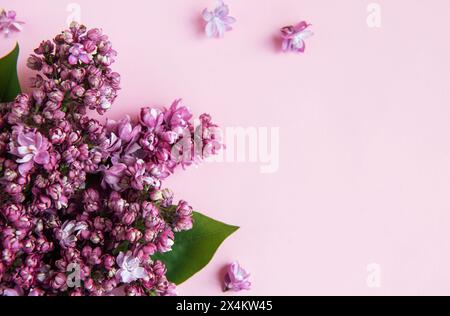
point(364, 132)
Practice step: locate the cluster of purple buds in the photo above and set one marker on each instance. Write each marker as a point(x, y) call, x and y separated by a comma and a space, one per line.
point(82, 211)
point(147, 150)
point(74, 72)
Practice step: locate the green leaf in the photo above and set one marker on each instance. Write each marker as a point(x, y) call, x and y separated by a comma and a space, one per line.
point(195, 248)
point(123, 247)
point(9, 82)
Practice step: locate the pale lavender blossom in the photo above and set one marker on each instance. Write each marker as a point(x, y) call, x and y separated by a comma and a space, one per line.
point(217, 21)
point(130, 269)
point(8, 22)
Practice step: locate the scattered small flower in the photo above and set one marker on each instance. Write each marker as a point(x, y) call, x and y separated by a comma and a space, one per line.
point(236, 278)
point(294, 37)
point(218, 21)
point(8, 22)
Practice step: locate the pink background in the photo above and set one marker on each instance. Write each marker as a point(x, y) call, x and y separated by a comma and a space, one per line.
point(364, 132)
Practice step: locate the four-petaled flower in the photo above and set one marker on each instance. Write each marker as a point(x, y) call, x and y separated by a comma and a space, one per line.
point(218, 21)
point(8, 22)
point(33, 148)
point(67, 234)
point(130, 269)
point(294, 37)
point(78, 53)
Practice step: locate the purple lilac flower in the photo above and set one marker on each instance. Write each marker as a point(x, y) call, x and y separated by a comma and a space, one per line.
point(294, 37)
point(236, 278)
point(31, 148)
point(217, 21)
point(183, 217)
point(8, 22)
point(79, 54)
point(68, 232)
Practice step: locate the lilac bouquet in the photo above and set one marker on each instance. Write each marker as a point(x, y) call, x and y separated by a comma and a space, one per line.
point(82, 207)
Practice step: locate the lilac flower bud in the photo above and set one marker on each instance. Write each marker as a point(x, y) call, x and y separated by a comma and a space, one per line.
point(165, 288)
point(57, 136)
point(165, 241)
point(45, 47)
point(183, 217)
point(118, 232)
point(89, 46)
point(170, 137)
point(90, 99)
point(61, 264)
point(78, 74)
point(150, 234)
point(116, 203)
point(11, 243)
point(167, 197)
point(91, 200)
point(128, 218)
point(74, 137)
point(39, 96)
point(133, 290)
point(77, 92)
point(13, 188)
point(94, 82)
point(151, 118)
point(114, 78)
point(10, 175)
point(89, 284)
point(76, 292)
point(36, 292)
point(96, 237)
point(7, 256)
point(28, 245)
point(32, 260)
point(109, 262)
point(149, 141)
point(149, 249)
point(25, 277)
point(159, 269)
point(34, 63)
point(58, 281)
point(39, 226)
point(12, 212)
point(94, 34)
point(47, 70)
point(43, 246)
point(99, 223)
point(43, 203)
point(156, 195)
point(133, 235)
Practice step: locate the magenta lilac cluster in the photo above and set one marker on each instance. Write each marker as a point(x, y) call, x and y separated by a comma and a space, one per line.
point(82, 208)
